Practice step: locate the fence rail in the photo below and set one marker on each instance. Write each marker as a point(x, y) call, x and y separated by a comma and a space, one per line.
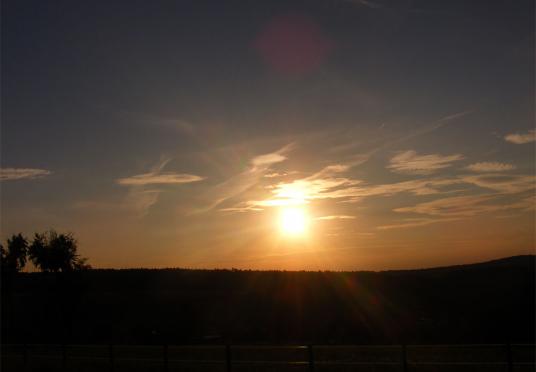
point(168, 358)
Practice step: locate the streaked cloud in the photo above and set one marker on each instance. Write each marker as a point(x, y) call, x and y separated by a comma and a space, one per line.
point(267, 159)
point(275, 174)
point(521, 138)
point(331, 183)
point(502, 183)
point(331, 170)
point(409, 162)
point(304, 191)
point(466, 206)
point(414, 222)
point(335, 217)
point(241, 209)
point(159, 179)
point(140, 198)
point(490, 167)
point(243, 181)
point(11, 174)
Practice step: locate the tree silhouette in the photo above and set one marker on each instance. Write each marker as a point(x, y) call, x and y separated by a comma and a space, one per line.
point(53, 252)
point(3, 254)
point(14, 258)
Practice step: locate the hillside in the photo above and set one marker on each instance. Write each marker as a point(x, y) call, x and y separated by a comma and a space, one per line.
point(479, 303)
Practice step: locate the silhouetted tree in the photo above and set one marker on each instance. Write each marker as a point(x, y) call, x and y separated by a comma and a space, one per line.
point(14, 258)
point(55, 252)
point(3, 254)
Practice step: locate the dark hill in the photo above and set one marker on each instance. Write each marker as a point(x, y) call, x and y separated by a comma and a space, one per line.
point(491, 302)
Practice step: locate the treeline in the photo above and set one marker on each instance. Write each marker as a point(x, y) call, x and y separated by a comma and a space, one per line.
point(49, 251)
point(491, 302)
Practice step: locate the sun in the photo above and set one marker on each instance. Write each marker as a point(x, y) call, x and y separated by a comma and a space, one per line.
point(293, 221)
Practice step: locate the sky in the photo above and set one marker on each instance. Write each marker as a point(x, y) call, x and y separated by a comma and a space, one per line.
point(387, 134)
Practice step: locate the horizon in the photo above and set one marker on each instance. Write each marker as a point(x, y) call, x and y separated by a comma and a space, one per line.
point(280, 135)
point(30, 269)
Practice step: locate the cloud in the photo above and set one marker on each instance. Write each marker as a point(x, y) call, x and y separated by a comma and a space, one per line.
point(328, 184)
point(258, 188)
point(11, 174)
point(466, 206)
point(520, 139)
point(331, 170)
point(267, 159)
point(415, 222)
point(156, 177)
point(159, 179)
point(306, 190)
point(275, 174)
point(241, 209)
point(335, 217)
point(490, 167)
point(243, 181)
point(264, 160)
point(409, 162)
point(502, 183)
point(434, 126)
point(140, 198)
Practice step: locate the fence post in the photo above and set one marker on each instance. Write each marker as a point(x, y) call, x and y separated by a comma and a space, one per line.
point(111, 351)
point(311, 358)
point(404, 358)
point(509, 358)
point(165, 357)
point(228, 357)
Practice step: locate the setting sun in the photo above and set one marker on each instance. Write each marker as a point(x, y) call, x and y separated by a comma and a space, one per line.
point(293, 221)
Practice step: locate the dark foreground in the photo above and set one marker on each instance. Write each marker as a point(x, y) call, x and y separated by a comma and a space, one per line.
point(488, 303)
point(268, 358)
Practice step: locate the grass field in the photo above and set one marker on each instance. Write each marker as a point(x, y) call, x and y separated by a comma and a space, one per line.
point(338, 358)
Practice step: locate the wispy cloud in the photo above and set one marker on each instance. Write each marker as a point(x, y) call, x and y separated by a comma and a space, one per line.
point(502, 183)
point(238, 184)
point(415, 222)
point(343, 189)
point(521, 138)
point(330, 170)
point(159, 179)
point(335, 217)
point(409, 162)
point(140, 198)
point(466, 206)
point(306, 190)
point(11, 174)
point(277, 174)
point(267, 159)
point(432, 127)
point(490, 167)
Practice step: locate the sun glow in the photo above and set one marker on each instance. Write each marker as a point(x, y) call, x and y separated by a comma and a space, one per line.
point(293, 221)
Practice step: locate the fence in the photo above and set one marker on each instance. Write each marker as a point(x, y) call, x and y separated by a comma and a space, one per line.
point(236, 358)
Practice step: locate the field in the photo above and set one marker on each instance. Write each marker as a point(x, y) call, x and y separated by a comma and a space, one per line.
point(222, 358)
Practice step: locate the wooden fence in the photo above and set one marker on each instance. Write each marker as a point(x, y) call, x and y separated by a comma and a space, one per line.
point(235, 358)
